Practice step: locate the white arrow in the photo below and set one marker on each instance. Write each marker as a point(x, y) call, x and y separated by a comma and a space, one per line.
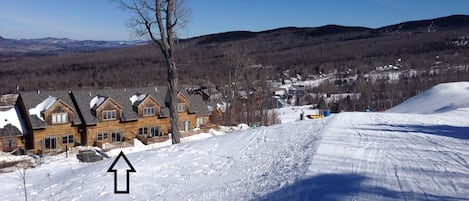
point(128, 170)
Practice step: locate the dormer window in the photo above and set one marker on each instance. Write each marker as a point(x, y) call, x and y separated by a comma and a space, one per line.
point(109, 115)
point(59, 118)
point(149, 111)
point(181, 107)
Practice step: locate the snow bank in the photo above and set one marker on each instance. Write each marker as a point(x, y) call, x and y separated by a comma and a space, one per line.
point(44, 105)
point(440, 98)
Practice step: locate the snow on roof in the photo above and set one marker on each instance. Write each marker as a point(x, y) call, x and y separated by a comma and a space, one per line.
point(222, 106)
point(44, 105)
point(440, 98)
point(137, 98)
point(97, 101)
point(13, 117)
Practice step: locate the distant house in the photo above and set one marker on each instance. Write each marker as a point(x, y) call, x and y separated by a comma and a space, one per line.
point(52, 120)
point(12, 126)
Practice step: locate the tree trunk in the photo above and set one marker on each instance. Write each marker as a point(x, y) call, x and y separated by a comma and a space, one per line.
point(172, 93)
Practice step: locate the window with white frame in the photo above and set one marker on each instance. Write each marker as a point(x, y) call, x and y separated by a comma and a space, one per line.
point(50, 142)
point(155, 131)
point(59, 118)
point(102, 136)
point(185, 126)
point(117, 136)
point(109, 115)
point(149, 111)
point(200, 121)
point(143, 131)
point(181, 107)
point(67, 139)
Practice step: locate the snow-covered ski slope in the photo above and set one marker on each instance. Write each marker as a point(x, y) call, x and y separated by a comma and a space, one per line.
point(348, 156)
point(440, 98)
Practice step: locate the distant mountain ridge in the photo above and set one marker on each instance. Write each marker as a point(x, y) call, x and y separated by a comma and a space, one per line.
point(50, 45)
point(443, 23)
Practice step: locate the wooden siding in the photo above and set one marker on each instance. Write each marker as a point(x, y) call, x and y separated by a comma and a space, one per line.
point(163, 123)
point(148, 102)
point(108, 104)
point(57, 131)
point(58, 107)
point(126, 129)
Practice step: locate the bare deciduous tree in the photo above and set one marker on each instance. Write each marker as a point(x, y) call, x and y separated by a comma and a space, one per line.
point(22, 174)
point(158, 20)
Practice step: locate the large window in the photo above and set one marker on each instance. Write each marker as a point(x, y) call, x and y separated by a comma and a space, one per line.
point(155, 131)
point(149, 111)
point(200, 121)
point(143, 131)
point(181, 107)
point(117, 136)
point(50, 142)
point(102, 136)
point(67, 139)
point(109, 115)
point(59, 118)
point(185, 125)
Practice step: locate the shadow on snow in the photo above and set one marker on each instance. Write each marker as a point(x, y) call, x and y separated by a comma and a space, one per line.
point(441, 130)
point(344, 187)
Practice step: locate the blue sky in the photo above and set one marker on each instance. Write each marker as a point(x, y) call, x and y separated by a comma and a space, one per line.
point(104, 20)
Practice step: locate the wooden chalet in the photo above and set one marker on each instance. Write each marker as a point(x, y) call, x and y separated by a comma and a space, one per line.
point(52, 121)
point(108, 118)
point(114, 117)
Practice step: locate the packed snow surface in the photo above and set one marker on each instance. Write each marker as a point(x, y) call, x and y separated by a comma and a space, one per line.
point(440, 98)
point(347, 156)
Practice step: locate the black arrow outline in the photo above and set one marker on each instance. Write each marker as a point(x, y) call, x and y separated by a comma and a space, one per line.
point(111, 169)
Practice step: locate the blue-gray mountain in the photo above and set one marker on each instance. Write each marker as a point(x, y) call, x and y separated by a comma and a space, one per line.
point(48, 46)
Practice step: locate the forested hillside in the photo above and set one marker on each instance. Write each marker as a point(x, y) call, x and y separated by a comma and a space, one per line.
point(439, 43)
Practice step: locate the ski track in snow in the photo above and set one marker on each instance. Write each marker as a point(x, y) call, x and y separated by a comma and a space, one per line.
point(348, 156)
point(366, 156)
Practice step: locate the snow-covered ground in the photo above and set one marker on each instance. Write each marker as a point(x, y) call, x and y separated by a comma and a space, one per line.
point(347, 156)
point(440, 98)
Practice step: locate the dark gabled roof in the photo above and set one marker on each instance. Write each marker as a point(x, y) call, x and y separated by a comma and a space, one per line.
point(121, 97)
point(198, 106)
point(80, 101)
point(8, 100)
point(9, 130)
point(32, 99)
point(36, 123)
